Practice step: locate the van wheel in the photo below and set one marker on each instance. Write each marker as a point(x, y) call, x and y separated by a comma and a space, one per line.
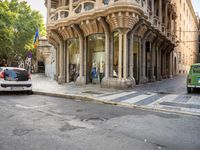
point(30, 92)
point(189, 90)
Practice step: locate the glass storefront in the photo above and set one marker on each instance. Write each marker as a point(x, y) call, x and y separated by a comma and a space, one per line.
point(115, 54)
point(74, 60)
point(96, 58)
point(136, 60)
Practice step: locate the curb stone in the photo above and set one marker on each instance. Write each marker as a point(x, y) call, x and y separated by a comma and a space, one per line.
point(92, 99)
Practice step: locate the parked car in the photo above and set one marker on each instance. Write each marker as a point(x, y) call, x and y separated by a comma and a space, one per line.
point(193, 79)
point(15, 79)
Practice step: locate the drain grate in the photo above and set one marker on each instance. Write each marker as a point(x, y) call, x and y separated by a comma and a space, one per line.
point(94, 119)
point(91, 92)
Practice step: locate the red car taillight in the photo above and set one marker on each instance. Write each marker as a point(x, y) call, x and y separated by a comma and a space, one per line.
point(29, 76)
point(2, 75)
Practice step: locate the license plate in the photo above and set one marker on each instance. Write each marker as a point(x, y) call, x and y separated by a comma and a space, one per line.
point(16, 88)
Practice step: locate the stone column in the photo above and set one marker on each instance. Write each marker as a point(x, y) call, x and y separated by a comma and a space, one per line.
point(81, 55)
point(125, 55)
point(153, 58)
point(143, 78)
point(152, 6)
point(64, 59)
point(171, 24)
point(131, 55)
point(120, 55)
point(57, 63)
point(160, 13)
point(140, 59)
point(67, 72)
point(164, 65)
point(166, 14)
point(159, 77)
point(111, 46)
point(81, 80)
point(61, 61)
point(48, 10)
point(171, 65)
point(107, 54)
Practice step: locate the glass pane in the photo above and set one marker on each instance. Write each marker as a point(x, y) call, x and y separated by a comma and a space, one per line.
point(88, 6)
point(16, 75)
point(74, 60)
point(96, 57)
point(116, 54)
point(196, 69)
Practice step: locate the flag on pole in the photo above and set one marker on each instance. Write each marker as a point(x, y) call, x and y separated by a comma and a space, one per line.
point(36, 39)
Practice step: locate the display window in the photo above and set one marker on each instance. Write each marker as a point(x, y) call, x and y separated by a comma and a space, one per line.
point(74, 59)
point(115, 54)
point(96, 58)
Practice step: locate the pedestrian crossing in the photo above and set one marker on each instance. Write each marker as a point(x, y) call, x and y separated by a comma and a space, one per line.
point(151, 99)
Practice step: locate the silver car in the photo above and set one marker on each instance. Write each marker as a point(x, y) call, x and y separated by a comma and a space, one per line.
point(15, 79)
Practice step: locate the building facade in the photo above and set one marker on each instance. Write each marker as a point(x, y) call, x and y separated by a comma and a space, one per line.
point(187, 32)
point(46, 58)
point(114, 43)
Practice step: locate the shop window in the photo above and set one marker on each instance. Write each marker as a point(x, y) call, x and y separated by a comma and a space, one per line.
point(115, 54)
point(74, 60)
point(96, 58)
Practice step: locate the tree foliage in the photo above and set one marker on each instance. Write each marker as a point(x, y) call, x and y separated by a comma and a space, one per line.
point(18, 24)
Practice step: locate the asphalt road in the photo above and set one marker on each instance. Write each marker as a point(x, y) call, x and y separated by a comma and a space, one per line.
point(32, 122)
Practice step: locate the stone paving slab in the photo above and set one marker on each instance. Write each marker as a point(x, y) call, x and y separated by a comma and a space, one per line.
point(177, 103)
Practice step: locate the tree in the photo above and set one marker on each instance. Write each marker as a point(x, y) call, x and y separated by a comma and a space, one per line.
point(19, 24)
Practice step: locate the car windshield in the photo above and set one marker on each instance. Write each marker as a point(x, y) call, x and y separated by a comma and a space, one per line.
point(15, 75)
point(196, 69)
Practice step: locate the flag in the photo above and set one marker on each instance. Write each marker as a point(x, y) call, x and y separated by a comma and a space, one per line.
point(36, 39)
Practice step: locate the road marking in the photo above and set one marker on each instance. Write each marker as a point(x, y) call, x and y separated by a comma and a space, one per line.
point(115, 96)
point(167, 98)
point(194, 100)
point(29, 107)
point(138, 98)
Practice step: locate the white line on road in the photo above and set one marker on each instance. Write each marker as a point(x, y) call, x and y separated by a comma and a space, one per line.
point(115, 96)
point(167, 98)
point(138, 98)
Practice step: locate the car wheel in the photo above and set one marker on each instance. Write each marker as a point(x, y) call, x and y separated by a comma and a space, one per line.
point(189, 90)
point(30, 92)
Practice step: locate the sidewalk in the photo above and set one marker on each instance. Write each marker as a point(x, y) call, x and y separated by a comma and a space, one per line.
point(158, 96)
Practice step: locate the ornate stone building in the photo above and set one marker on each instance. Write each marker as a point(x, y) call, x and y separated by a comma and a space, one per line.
point(114, 43)
point(187, 32)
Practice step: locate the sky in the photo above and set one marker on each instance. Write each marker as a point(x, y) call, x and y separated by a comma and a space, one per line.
point(39, 5)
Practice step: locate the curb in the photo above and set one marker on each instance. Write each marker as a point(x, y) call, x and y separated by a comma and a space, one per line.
point(92, 99)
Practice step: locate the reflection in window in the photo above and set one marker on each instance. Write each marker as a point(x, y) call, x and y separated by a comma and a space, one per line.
point(74, 61)
point(96, 57)
point(115, 54)
point(63, 14)
point(88, 6)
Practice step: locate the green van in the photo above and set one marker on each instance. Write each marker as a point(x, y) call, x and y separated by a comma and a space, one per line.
point(193, 79)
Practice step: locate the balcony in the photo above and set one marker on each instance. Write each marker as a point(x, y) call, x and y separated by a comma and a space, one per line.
point(88, 7)
point(156, 22)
